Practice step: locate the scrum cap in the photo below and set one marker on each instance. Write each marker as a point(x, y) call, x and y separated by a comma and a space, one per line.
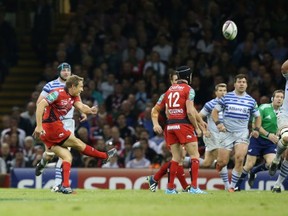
point(184, 73)
point(63, 66)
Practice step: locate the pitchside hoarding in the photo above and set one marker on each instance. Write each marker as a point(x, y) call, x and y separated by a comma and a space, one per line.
point(125, 179)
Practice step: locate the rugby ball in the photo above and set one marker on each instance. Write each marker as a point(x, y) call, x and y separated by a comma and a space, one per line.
point(229, 30)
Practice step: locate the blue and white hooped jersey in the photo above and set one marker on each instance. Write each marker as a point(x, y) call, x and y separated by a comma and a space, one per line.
point(207, 110)
point(237, 110)
point(50, 86)
point(284, 108)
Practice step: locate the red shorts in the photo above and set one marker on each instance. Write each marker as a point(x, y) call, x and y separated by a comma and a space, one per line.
point(55, 133)
point(180, 133)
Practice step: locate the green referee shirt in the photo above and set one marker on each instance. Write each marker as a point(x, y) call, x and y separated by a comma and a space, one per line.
point(269, 118)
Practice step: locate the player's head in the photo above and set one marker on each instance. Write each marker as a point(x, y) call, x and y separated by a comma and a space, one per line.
point(240, 83)
point(184, 73)
point(220, 90)
point(277, 98)
point(173, 77)
point(74, 85)
point(64, 71)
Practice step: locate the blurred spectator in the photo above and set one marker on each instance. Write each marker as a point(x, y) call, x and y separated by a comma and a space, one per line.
point(6, 155)
point(163, 48)
point(22, 123)
point(29, 114)
point(8, 45)
point(42, 24)
point(3, 169)
point(144, 119)
point(107, 87)
point(116, 140)
point(114, 100)
point(29, 151)
point(158, 66)
point(19, 160)
point(14, 129)
point(139, 160)
point(124, 129)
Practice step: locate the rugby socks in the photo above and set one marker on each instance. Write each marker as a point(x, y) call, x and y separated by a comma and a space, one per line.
point(58, 172)
point(280, 149)
point(181, 177)
point(172, 174)
point(90, 151)
point(259, 168)
point(235, 178)
point(162, 171)
point(224, 176)
point(242, 178)
point(66, 173)
point(194, 172)
point(283, 173)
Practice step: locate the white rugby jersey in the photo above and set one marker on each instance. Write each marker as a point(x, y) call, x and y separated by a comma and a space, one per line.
point(206, 111)
point(237, 110)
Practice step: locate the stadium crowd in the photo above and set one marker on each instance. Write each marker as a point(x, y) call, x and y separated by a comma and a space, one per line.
point(125, 50)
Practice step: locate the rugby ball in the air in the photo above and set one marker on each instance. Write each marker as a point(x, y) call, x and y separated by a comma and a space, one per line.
point(229, 30)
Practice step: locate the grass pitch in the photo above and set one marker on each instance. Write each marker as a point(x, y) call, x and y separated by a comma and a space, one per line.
point(32, 202)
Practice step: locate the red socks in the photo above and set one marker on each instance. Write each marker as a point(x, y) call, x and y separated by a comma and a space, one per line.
point(162, 171)
point(181, 177)
point(66, 167)
point(90, 151)
point(172, 174)
point(194, 172)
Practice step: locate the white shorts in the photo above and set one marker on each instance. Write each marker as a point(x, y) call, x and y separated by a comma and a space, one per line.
point(212, 142)
point(69, 124)
point(229, 139)
point(282, 120)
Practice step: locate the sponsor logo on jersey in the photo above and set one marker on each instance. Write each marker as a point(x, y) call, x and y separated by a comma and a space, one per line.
point(176, 88)
point(61, 135)
point(52, 96)
point(173, 127)
point(175, 111)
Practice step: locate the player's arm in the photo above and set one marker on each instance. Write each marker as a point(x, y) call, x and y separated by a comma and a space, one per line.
point(39, 117)
point(154, 116)
point(215, 116)
point(191, 113)
point(83, 108)
point(257, 126)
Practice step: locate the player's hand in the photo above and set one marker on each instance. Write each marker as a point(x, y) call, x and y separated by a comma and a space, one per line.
point(207, 133)
point(198, 132)
point(273, 138)
point(158, 129)
point(94, 110)
point(83, 117)
point(255, 134)
point(38, 132)
point(221, 127)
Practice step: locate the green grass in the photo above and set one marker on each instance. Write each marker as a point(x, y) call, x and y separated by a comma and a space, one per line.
point(32, 202)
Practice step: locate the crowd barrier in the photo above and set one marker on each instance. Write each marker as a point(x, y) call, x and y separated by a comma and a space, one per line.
point(93, 178)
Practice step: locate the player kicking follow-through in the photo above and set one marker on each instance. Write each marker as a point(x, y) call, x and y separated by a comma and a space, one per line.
point(50, 129)
point(64, 71)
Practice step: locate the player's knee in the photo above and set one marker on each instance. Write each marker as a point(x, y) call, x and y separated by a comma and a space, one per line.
point(284, 136)
point(48, 155)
